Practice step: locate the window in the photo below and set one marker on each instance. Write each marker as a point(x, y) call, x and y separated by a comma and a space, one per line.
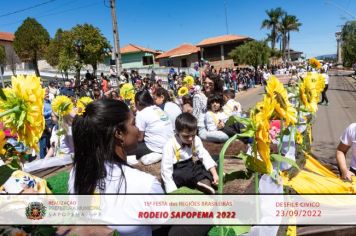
point(147, 60)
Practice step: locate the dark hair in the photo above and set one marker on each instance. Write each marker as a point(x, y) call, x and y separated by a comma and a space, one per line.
point(218, 83)
point(215, 98)
point(163, 92)
point(187, 99)
point(229, 93)
point(94, 143)
point(186, 121)
point(144, 98)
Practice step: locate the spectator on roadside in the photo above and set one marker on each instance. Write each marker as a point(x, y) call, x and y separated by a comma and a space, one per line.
point(53, 91)
point(347, 142)
point(67, 90)
point(88, 76)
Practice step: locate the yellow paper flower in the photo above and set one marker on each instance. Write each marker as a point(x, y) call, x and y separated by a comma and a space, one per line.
point(308, 94)
point(2, 142)
point(188, 81)
point(283, 107)
point(127, 91)
point(22, 111)
point(319, 84)
point(313, 62)
point(183, 91)
point(299, 138)
point(82, 103)
point(62, 105)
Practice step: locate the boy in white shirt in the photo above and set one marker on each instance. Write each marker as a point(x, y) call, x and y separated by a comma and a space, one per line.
point(185, 161)
point(231, 107)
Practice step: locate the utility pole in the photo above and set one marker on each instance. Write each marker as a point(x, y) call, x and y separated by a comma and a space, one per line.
point(226, 24)
point(117, 54)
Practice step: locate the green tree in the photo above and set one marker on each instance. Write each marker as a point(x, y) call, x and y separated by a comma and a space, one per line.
point(253, 53)
point(31, 41)
point(274, 16)
point(54, 48)
point(91, 44)
point(289, 23)
point(348, 35)
point(2, 55)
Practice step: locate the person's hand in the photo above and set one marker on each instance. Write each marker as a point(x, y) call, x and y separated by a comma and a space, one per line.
point(221, 124)
point(346, 175)
point(215, 179)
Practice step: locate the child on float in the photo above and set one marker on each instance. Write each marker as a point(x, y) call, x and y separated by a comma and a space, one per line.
point(215, 119)
point(185, 161)
point(231, 107)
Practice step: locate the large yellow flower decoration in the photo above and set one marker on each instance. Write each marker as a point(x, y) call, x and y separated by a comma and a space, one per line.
point(319, 84)
point(308, 94)
point(183, 91)
point(22, 111)
point(261, 117)
point(313, 62)
point(127, 91)
point(82, 103)
point(188, 81)
point(62, 105)
point(283, 107)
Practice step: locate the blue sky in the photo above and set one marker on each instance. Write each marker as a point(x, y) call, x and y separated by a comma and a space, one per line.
point(164, 24)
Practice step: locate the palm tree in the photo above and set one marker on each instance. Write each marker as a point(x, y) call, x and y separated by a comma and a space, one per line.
point(289, 23)
point(274, 16)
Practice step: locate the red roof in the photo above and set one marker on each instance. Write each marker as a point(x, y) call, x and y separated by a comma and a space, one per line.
point(222, 39)
point(4, 36)
point(135, 48)
point(184, 49)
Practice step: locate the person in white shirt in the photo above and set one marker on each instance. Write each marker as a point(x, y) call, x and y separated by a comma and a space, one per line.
point(231, 107)
point(215, 120)
point(61, 141)
point(162, 99)
point(347, 141)
point(102, 137)
point(185, 161)
point(324, 98)
point(154, 125)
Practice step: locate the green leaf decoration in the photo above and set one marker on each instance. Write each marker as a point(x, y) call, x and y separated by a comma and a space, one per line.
point(280, 158)
point(5, 173)
point(2, 95)
point(229, 230)
point(246, 134)
point(233, 119)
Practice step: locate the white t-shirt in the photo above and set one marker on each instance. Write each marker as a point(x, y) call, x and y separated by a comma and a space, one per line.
point(172, 110)
point(212, 120)
point(112, 211)
point(66, 141)
point(349, 138)
point(169, 159)
point(326, 78)
point(232, 108)
point(157, 127)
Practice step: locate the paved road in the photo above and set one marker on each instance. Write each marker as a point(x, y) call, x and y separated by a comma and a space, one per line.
point(333, 119)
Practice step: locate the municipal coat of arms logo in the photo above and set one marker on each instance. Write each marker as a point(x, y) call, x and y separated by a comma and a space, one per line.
point(35, 211)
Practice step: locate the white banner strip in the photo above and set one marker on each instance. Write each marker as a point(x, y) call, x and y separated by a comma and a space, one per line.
point(178, 209)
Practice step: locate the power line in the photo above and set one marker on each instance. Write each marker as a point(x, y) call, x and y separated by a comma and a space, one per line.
point(56, 13)
point(27, 8)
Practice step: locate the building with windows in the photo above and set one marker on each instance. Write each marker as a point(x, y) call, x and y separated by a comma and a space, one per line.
point(134, 56)
point(182, 56)
point(216, 49)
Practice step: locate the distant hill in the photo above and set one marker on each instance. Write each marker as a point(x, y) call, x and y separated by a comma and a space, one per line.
point(328, 56)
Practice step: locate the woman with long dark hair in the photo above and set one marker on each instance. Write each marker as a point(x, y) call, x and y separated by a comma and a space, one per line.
point(102, 136)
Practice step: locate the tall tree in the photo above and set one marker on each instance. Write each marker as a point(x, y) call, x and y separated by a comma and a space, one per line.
point(31, 41)
point(274, 16)
point(348, 35)
point(253, 53)
point(91, 44)
point(288, 24)
point(54, 48)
